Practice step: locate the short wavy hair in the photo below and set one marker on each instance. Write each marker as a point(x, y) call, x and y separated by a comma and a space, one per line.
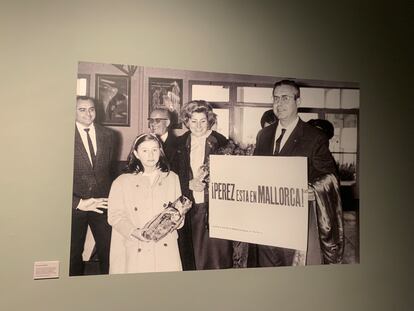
point(198, 106)
point(134, 165)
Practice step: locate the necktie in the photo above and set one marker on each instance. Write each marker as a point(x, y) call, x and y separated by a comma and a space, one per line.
point(91, 150)
point(278, 141)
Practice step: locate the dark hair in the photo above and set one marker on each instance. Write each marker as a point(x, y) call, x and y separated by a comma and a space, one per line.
point(134, 165)
point(91, 99)
point(198, 106)
point(268, 117)
point(324, 125)
point(290, 83)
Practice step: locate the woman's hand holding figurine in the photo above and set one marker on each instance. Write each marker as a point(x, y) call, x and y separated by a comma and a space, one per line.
point(137, 233)
point(196, 185)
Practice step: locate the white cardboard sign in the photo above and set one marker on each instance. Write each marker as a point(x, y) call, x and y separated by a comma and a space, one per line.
point(259, 199)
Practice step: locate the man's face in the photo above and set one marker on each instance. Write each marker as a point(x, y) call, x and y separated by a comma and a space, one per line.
point(285, 106)
point(158, 122)
point(85, 112)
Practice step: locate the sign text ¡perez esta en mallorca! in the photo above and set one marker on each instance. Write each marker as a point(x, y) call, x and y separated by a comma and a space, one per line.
point(273, 195)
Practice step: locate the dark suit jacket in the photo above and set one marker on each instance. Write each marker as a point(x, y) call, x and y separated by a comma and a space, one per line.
point(94, 182)
point(170, 147)
point(304, 141)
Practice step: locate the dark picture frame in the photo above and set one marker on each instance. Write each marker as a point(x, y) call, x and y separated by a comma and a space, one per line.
point(113, 96)
point(166, 92)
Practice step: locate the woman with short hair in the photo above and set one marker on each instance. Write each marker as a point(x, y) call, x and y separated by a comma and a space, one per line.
point(193, 152)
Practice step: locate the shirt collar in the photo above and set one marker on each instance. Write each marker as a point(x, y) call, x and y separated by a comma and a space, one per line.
point(81, 127)
point(164, 137)
point(200, 138)
point(290, 126)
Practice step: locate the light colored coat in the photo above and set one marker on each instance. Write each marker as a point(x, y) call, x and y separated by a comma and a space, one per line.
point(132, 202)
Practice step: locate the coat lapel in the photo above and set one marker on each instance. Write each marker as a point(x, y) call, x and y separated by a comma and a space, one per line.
point(142, 180)
point(293, 140)
point(271, 137)
point(187, 148)
point(81, 148)
point(211, 145)
point(99, 144)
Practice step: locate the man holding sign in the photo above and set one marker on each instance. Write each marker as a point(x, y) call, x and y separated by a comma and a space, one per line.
point(290, 136)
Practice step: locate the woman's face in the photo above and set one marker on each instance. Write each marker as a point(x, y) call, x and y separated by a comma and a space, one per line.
point(148, 153)
point(198, 124)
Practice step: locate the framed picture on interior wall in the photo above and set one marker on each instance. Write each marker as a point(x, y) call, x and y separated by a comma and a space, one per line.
point(166, 92)
point(113, 99)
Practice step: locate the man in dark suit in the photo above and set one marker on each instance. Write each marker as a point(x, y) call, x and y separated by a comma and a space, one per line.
point(91, 184)
point(159, 123)
point(290, 136)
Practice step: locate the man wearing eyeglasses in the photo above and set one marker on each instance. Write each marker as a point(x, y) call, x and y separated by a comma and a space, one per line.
point(159, 123)
point(290, 136)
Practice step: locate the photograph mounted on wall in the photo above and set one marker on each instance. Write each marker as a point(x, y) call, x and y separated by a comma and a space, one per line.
point(181, 170)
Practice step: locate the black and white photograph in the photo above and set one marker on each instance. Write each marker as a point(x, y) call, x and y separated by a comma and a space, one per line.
point(262, 172)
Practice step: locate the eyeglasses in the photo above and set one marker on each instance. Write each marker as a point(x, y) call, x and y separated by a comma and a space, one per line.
point(156, 120)
point(282, 99)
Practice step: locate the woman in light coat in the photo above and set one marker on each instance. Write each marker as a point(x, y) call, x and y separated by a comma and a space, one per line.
point(135, 198)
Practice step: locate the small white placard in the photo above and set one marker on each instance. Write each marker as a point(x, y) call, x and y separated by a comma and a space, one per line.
point(46, 270)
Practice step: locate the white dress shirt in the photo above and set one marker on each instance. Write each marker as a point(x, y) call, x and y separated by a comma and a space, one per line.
point(198, 147)
point(84, 137)
point(289, 130)
point(164, 137)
